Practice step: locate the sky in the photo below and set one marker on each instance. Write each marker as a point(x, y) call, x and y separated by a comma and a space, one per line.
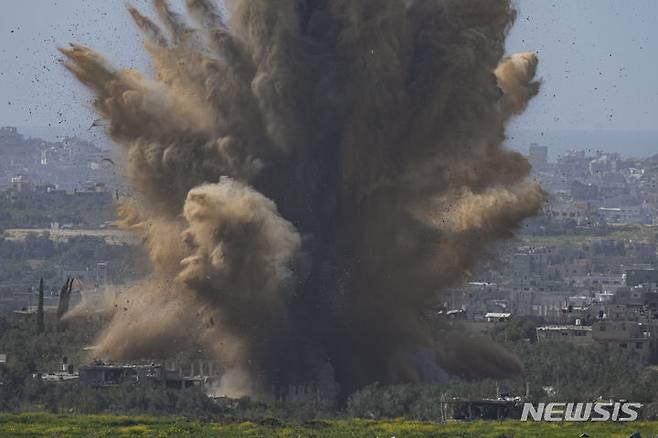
point(598, 61)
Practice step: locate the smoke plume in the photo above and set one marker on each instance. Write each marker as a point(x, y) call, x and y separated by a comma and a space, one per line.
point(309, 176)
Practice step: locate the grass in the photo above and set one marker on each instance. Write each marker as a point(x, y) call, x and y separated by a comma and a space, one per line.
point(45, 425)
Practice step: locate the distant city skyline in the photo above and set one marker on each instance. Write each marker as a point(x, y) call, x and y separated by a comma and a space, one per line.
point(595, 62)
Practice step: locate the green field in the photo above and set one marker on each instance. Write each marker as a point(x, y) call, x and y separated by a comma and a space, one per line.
point(37, 425)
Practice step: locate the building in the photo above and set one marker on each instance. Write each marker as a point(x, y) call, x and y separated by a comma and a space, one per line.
point(61, 377)
point(625, 337)
point(100, 374)
point(574, 334)
point(637, 277)
point(534, 303)
point(579, 213)
point(626, 215)
point(584, 192)
point(497, 316)
point(538, 156)
point(631, 297)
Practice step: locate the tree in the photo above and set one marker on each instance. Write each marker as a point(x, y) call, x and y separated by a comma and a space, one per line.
point(64, 299)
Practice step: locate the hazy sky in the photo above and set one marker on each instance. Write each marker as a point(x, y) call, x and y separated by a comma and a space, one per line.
point(598, 60)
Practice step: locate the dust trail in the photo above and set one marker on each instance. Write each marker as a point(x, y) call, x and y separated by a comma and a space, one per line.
point(310, 175)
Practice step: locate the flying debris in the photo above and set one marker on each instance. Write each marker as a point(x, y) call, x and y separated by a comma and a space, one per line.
point(95, 124)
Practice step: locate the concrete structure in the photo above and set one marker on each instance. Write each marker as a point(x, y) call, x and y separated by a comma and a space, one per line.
point(538, 156)
point(101, 374)
point(625, 337)
point(574, 334)
point(497, 316)
point(60, 377)
point(636, 277)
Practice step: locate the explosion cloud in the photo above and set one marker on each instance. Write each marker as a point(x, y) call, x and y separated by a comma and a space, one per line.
point(309, 175)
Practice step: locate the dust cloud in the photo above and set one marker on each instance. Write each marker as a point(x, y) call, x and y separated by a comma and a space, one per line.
point(309, 176)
